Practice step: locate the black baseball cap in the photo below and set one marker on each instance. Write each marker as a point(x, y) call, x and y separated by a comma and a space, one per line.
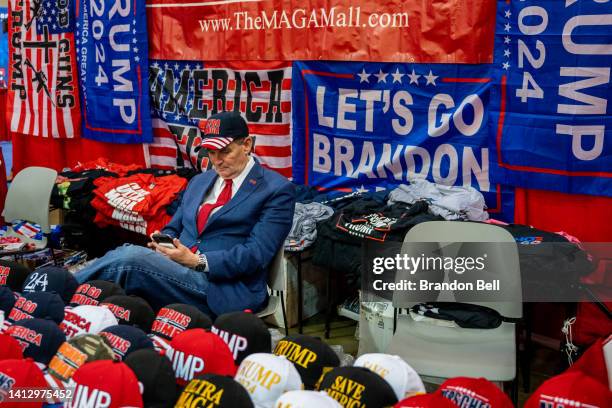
point(375, 391)
point(244, 333)
point(95, 291)
point(39, 338)
point(217, 390)
point(221, 129)
point(154, 371)
point(125, 339)
point(175, 318)
point(13, 274)
point(310, 356)
point(51, 279)
point(132, 310)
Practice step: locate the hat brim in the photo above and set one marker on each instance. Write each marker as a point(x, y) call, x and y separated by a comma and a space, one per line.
point(216, 143)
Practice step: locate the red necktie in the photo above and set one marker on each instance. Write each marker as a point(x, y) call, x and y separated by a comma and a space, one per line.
point(206, 209)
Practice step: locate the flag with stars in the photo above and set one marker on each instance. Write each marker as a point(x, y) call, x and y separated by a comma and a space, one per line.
point(363, 126)
point(550, 114)
point(185, 93)
point(43, 97)
point(112, 51)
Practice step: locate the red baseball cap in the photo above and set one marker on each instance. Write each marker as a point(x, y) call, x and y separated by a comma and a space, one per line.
point(465, 391)
point(109, 383)
point(573, 389)
point(592, 362)
point(17, 374)
point(10, 348)
point(197, 351)
point(425, 401)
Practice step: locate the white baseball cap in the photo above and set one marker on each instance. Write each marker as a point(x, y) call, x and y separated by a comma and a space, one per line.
point(400, 376)
point(266, 377)
point(87, 319)
point(306, 399)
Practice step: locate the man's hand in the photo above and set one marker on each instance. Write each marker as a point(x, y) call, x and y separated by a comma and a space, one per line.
point(181, 254)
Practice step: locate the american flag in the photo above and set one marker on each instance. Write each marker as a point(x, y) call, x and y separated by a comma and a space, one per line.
point(43, 90)
point(272, 139)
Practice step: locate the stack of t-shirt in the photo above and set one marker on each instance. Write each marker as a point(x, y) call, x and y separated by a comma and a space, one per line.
point(137, 202)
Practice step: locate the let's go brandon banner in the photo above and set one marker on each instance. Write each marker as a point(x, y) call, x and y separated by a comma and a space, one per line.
point(442, 31)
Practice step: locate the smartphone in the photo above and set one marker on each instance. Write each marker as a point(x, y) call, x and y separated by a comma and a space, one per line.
point(163, 240)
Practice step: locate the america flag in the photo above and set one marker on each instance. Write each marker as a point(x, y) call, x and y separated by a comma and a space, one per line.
point(184, 93)
point(43, 95)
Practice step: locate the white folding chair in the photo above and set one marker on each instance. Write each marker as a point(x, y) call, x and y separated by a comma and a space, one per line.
point(277, 282)
point(446, 352)
point(28, 199)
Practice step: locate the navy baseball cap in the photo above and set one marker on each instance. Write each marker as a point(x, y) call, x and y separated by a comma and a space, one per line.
point(13, 274)
point(7, 299)
point(223, 128)
point(95, 291)
point(125, 339)
point(42, 305)
point(39, 338)
point(51, 279)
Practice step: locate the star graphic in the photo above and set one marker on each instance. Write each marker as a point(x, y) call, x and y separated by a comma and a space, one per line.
point(134, 31)
point(198, 66)
point(363, 76)
point(78, 24)
point(507, 13)
point(134, 21)
point(414, 77)
point(506, 53)
point(361, 190)
point(136, 49)
point(49, 19)
point(134, 40)
point(176, 81)
point(397, 77)
point(187, 67)
point(177, 117)
point(176, 66)
point(507, 27)
point(53, 11)
point(382, 77)
point(431, 78)
point(54, 26)
point(506, 40)
point(137, 58)
point(506, 65)
point(165, 65)
point(155, 65)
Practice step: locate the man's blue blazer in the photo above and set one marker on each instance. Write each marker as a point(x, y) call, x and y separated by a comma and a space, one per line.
point(241, 238)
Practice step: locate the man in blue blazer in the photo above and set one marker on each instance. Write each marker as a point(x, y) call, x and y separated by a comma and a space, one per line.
point(231, 223)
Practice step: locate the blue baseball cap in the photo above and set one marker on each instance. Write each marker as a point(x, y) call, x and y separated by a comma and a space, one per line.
point(125, 339)
point(51, 279)
point(42, 305)
point(39, 338)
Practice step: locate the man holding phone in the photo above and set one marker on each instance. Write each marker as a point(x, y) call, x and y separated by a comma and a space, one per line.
point(215, 251)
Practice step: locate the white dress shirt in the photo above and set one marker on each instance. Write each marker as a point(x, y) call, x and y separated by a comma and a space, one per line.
point(213, 194)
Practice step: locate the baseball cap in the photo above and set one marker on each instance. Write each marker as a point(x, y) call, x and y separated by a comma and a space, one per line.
point(110, 384)
point(13, 274)
point(39, 338)
point(20, 374)
point(465, 391)
point(77, 351)
point(87, 319)
point(126, 339)
point(178, 317)
point(7, 299)
point(51, 279)
point(95, 291)
point(266, 377)
point(310, 355)
point(425, 401)
point(221, 129)
point(306, 399)
point(573, 389)
point(593, 362)
point(197, 351)
point(244, 333)
point(400, 376)
point(132, 310)
point(43, 305)
point(154, 371)
point(10, 349)
point(357, 386)
point(214, 390)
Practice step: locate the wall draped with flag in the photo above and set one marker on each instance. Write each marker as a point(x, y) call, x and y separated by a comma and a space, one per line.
point(507, 96)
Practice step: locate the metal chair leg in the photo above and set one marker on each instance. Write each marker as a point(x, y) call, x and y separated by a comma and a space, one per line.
point(282, 298)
